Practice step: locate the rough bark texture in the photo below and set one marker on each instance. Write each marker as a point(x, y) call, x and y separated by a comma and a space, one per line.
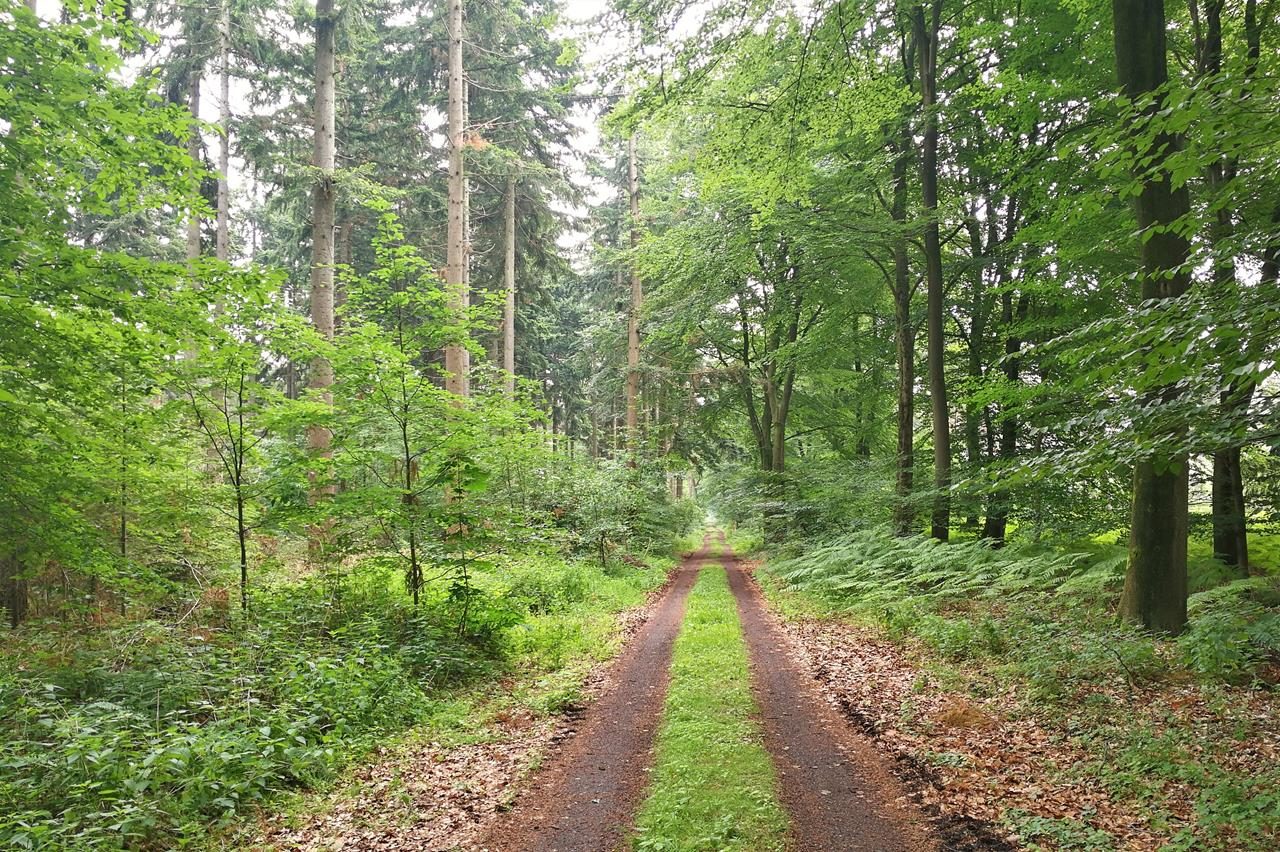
point(1155, 589)
point(320, 379)
point(457, 361)
point(926, 39)
point(637, 295)
point(223, 240)
point(509, 311)
point(193, 151)
point(905, 342)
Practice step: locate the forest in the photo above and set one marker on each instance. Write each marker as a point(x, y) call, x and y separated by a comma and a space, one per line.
point(640, 424)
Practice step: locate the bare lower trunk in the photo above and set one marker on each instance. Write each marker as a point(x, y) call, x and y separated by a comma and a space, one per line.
point(637, 295)
point(1155, 589)
point(456, 357)
point(322, 198)
point(509, 312)
point(13, 589)
point(997, 522)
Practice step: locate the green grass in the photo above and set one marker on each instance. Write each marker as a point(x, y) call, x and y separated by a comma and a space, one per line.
point(713, 783)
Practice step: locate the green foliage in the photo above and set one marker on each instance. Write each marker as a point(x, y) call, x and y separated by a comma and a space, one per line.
point(152, 728)
point(1235, 628)
point(156, 728)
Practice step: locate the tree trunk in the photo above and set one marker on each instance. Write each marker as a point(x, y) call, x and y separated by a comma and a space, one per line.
point(926, 38)
point(1155, 589)
point(997, 521)
point(320, 379)
point(1230, 531)
point(637, 295)
point(223, 240)
point(905, 340)
point(13, 589)
point(193, 151)
point(509, 312)
point(456, 357)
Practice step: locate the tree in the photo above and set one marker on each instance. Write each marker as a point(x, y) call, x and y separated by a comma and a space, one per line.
point(1155, 589)
point(457, 357)
point(635, 301)
point(926, 29)
point(319, 439)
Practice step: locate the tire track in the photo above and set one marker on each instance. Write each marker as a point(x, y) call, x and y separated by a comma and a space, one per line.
point(585, 799)
point(839, 792)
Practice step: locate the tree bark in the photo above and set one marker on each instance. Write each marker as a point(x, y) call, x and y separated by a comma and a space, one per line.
point(456, 357)
point(926, 38)
point(320, 379)
point(637, 296)
point(509, 311)
point(13, 590)
point(1230, 531)
point(905, 344)
point(996, 526)
point(1155, 589)
point(193, 151)
point(223, 230)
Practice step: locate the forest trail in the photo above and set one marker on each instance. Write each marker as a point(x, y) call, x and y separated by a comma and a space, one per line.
point(838, 791)
point(585, 798)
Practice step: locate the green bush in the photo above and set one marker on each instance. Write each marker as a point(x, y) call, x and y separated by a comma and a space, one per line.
point(1233, 629)
point(153, 729)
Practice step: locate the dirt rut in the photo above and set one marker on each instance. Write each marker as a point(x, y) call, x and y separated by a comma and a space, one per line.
point(839, 792)
point(585, 799)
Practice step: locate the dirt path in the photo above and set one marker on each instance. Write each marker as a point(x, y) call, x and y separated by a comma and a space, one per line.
point(585, 800)
point(841, 795)
point(839, 792)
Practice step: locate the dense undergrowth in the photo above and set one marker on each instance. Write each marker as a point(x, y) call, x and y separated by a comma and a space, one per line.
point(1157, 714)
point(134, 733)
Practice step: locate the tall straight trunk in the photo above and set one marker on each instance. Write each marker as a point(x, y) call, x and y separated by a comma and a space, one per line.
point(509, 310)
point(1155, 588)
point(637, 295)
point(223, 240)
point(320, 379)
point(1230, 530)
point(905, 344)
point(926, 38)
point(456, 357)
point(193, 151)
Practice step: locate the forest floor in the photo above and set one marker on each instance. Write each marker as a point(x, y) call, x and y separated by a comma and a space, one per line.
point(576, 780)
point(838, 791)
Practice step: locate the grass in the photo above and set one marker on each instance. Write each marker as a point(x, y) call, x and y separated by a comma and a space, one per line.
point(713, 782)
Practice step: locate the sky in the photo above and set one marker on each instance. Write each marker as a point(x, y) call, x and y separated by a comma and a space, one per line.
point(594, 44)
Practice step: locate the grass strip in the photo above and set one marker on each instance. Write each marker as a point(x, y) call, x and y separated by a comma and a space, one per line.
point(713, 786)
